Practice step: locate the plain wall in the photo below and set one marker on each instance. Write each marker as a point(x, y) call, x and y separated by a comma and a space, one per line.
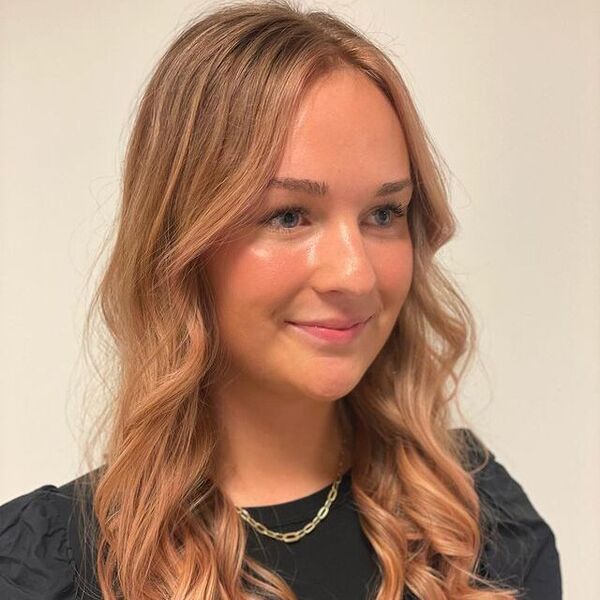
point(510, 93)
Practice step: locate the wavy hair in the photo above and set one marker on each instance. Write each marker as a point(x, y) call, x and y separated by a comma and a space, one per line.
point(208, 135)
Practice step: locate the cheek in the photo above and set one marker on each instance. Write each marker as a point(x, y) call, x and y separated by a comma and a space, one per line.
point(394, 271)
point(253, 283)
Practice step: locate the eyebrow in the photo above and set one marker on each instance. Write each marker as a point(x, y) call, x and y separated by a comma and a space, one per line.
point(320, 188)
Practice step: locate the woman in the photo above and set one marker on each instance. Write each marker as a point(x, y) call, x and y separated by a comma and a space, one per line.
point(287, 350)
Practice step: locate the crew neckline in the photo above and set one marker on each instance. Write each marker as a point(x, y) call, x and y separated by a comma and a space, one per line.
point(301, 509)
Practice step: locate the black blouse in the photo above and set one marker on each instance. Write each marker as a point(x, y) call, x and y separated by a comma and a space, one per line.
point(41, 547)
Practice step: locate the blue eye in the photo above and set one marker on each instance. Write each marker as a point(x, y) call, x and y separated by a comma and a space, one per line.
point(397, 210)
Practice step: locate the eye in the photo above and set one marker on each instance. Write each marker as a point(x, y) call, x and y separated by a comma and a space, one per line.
point(397, 212)
point(286, 211)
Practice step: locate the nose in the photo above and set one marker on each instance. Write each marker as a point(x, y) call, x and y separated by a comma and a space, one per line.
point(341, 261)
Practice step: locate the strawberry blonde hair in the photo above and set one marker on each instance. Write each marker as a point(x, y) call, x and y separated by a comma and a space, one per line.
point(208, 135)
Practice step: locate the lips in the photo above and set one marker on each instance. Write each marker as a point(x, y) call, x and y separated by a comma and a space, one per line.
point(331, 337)
point(335, 323)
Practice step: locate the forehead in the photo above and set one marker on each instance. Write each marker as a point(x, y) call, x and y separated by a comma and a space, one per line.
point(345, 127)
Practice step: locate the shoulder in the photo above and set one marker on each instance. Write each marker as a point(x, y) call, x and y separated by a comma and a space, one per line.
point(520, 547)
point(37, 537)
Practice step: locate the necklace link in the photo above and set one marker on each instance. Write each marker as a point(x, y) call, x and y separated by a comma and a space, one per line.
point(294, 536)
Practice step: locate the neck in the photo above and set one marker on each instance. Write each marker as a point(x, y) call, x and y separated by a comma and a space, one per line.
point(276, 451)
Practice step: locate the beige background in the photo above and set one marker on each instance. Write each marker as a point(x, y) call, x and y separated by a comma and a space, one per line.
point(510, 93)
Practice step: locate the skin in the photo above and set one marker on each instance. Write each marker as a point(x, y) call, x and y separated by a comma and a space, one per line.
point(280, 437)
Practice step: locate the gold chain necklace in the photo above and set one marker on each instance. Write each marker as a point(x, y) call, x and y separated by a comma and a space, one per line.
point(294, 536)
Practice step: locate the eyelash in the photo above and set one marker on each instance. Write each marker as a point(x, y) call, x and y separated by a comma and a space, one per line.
point(397, 209)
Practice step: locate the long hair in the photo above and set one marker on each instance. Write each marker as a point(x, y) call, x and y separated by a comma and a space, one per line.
point(208, 135)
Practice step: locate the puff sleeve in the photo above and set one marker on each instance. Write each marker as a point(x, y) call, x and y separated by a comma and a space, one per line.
point(520, 549)
point(35, 555)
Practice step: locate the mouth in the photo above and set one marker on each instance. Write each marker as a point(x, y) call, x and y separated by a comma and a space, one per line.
point(320, 334)
point(334, 323)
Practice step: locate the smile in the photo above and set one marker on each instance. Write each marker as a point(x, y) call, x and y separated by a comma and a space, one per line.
point(330, 336)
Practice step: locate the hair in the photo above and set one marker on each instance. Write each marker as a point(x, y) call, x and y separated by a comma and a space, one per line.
point(208, 135)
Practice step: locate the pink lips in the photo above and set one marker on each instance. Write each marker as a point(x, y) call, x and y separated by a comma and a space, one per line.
point(339, 336)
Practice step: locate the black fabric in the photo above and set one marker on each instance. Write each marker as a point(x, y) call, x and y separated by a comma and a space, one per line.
point(41, 545)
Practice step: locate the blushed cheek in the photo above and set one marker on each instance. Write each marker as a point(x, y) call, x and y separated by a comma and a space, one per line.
point(274, 265)
point(394, 274)
point(256, 282)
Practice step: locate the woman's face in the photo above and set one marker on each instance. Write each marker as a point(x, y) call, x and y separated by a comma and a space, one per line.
point(341, 256)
